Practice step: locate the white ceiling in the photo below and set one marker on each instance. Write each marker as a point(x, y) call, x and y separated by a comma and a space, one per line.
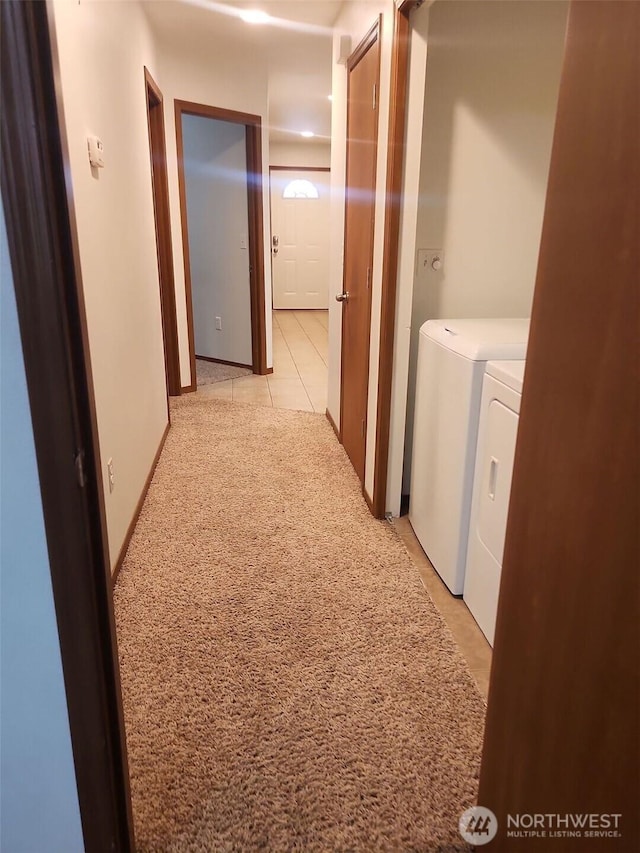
point(297, 47)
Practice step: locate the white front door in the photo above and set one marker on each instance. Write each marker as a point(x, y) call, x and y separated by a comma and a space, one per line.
point(300, 238)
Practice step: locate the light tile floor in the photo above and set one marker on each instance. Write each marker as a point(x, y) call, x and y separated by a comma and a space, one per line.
point(468, 636)
point(299, 378)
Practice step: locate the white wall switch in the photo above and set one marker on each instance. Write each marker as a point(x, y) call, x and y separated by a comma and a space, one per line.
point(243, 242)
point(219, 323)
point(96, 151)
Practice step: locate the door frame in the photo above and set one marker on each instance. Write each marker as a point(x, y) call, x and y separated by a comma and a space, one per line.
point(286, 169)
point(391, 238)
point(42, 236)
point(367, 42)
point(253, 127)
point(162, 217)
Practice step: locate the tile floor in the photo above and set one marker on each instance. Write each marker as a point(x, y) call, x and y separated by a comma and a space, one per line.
point(469, 638)
point(299, 378)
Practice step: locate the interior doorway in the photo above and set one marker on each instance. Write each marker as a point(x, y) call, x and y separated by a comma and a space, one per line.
point(362, 135)
point(215, 169)
point(235, 260)
point(157, 148)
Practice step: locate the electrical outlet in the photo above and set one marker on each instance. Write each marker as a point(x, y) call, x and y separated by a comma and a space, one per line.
point(112, 481)
point(219, 323)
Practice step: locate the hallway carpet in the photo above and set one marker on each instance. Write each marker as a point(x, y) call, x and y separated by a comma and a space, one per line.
point(288, 683)
point(210, 372)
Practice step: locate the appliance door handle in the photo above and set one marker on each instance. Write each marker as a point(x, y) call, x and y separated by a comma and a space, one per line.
point(493, 476)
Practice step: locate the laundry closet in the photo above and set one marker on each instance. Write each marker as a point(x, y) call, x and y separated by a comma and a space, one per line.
point(486, 118)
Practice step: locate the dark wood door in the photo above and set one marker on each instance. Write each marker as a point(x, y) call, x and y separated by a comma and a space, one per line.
point(563, 716)
point(163, 234)
point(362, 134)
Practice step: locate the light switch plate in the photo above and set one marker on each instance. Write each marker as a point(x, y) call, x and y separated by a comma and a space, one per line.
point(96, 151)
point(425, 271)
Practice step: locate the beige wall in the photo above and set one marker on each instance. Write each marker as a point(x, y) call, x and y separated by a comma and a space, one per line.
point(492, 81)
point(299, 154)
point(219, 77)
point(103, 93)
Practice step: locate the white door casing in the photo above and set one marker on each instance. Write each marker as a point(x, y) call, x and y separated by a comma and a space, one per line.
point(300, 239)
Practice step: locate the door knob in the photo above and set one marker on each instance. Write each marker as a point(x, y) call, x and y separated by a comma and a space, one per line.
point(342, 297)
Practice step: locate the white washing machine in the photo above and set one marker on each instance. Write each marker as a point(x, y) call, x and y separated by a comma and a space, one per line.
point(499, 416)
point(452, 356)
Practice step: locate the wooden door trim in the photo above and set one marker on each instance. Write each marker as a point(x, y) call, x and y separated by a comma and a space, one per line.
point(43, 247)
point(136, 513)
point(162, 218)
point(253, 128)
point(212, 360)
point(256, 248)
point(220, 113)
point(334, 426)
point(299, 168)
point(372, 36)
point(393, 206)
point(368, 40)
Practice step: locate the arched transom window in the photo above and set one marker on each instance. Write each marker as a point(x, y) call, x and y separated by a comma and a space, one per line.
point(300, 188)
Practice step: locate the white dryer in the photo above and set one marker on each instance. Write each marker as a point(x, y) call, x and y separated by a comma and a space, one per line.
point(499, 416)
point(452, 355)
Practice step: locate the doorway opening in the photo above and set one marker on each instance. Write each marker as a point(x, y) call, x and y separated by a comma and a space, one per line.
point(220, 170)
point(300, 216)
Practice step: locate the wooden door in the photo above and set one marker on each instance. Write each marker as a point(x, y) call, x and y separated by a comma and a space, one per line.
point(160, 188)
point(563, 720)
point(300, 238)
point(362, 135)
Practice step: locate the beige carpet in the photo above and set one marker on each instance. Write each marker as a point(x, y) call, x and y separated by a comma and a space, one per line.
point(209, 372)
point(288, 684)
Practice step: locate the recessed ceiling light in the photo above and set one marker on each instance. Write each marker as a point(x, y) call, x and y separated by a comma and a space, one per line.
point(307, 133)
point(254, 16)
